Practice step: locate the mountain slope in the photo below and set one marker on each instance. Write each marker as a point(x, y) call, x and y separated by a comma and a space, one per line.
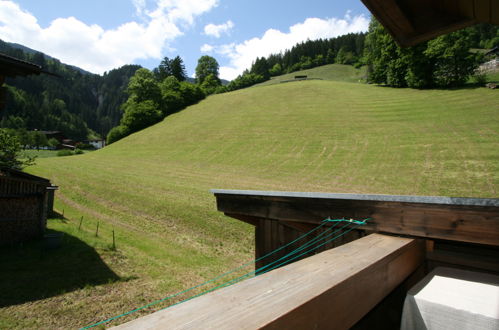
point(72, 103)
point(153, 186)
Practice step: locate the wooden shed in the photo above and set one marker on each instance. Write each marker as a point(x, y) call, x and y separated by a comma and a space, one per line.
point(25, 202)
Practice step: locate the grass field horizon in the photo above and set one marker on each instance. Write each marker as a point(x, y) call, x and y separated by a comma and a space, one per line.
point(152, 187)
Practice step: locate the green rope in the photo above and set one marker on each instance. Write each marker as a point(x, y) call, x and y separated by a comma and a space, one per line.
point(236, 280)
point(240, 278)
point(324, 222)
point(357, 223)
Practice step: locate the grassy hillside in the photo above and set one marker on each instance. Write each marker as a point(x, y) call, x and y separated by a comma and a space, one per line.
point(153, 186)
point(333, 72)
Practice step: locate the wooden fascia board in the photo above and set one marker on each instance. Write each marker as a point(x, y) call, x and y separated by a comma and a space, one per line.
point(464, 223)
point(11, 66)
point(333, 289)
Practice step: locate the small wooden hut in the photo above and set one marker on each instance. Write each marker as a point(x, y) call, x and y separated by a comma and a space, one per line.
point(25, 202)
point(25, 199)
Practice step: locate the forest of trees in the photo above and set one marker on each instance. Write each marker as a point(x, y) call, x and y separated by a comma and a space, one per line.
point(443, 62)
point(78, 103)
point(153, 95)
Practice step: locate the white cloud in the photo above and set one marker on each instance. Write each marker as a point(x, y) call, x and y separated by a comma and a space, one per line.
point(140, 6)
point(95, 49)
point(182, 11)
point(273, 41)
point(206, 48)
point(217, 30)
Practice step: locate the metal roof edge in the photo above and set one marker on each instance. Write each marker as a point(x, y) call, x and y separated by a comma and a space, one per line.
point(366, 197)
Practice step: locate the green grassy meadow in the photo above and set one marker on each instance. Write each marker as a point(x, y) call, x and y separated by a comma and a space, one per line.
point(39, 153)
point(333, 72)
point(152, 187)
point(43, 153)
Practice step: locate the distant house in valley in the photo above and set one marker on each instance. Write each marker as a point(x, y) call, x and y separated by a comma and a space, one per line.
point(25, 202)
point(67, 144)
point(494, 52)
point(97, 143)
point(63, 141)
point(58, 135)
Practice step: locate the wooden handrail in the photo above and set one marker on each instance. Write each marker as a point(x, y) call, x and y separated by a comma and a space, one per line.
point(331, 290)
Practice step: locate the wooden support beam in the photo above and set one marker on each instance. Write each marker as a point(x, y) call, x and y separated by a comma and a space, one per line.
point(464, 260)
point(331, 290)
point(472, 220)
point(254, 221)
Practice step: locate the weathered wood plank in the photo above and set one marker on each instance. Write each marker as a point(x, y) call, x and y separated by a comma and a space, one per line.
point(458, 219)
point(245, 218)
point(331, 290)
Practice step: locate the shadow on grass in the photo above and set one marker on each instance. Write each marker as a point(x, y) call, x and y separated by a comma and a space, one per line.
point(59, 216)
point(33, 271)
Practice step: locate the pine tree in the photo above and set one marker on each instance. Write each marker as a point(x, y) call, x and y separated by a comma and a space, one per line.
point(261, 68)
point(177, 68)
point(163, 70)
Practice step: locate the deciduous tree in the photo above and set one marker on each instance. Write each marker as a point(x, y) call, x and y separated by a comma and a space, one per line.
point(206, 65)
point(139, 115)
point(10, 150)
point(143, 87)
point(442, 62)
point(454, 63)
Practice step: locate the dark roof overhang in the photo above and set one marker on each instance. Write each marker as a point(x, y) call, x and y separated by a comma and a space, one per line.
point(12, 67)
point(413, 21)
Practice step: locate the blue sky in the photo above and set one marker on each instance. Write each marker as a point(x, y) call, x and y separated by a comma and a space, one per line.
point(99, 35)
